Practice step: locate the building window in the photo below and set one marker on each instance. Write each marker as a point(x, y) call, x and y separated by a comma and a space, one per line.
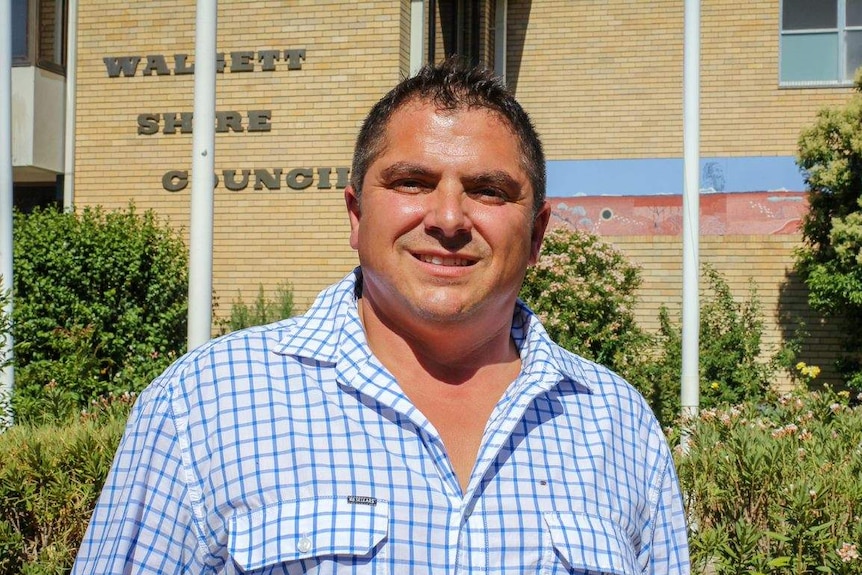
point(51, 51)
point(461, 27)
point(28, 197)
point(39, 33)
point(20, 27)
point(821, 41)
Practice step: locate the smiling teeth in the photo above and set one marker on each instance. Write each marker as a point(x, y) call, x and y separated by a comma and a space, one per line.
point(438, 261)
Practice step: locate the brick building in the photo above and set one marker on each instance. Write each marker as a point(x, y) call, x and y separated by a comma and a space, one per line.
point(601, 79)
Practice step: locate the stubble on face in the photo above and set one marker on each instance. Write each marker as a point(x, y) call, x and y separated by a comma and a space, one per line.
point(446, 227)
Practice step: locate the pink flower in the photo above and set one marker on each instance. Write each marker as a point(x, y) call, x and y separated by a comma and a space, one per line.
point(788, 429)
point(848, 552)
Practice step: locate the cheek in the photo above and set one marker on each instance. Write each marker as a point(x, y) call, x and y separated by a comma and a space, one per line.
point(513, 235)
point(391, 217)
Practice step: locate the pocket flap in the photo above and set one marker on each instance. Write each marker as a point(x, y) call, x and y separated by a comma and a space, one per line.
point(592, 543)
point(292, 530)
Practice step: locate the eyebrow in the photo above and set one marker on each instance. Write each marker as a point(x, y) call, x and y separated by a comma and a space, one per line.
point(401, 169)
point(498, 178)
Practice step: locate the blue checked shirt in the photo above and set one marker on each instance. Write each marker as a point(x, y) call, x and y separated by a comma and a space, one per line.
point(289, 448)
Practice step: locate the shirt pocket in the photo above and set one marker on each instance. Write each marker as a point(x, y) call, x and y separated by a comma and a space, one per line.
point(590, 544)
point(313, 529)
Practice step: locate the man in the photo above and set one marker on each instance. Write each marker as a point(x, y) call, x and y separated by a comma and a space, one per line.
point(417, 419)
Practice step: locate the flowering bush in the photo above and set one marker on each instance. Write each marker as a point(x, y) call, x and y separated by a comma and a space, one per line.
point(583, 290)
point(775, 487)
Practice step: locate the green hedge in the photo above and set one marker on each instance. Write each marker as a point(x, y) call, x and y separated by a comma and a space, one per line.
point(100, 306)
point(50, 478)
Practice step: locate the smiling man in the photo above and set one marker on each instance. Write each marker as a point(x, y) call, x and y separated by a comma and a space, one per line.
point(417, 419)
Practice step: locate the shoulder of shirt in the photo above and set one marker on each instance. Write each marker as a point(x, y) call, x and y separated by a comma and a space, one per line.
point(315, 331)
point(583, 374)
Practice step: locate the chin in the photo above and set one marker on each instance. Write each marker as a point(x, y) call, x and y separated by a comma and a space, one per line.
point(445, 311)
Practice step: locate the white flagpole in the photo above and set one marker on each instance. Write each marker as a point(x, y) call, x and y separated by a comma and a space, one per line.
point(7, 374)
point(690, 384)
point(203, 163)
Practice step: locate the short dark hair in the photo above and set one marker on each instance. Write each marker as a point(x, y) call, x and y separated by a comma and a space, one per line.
point(451, 85)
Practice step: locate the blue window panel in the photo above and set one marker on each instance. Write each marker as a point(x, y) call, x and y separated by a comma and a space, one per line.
point(854, 52)
point(809, 57)
point(19, 30)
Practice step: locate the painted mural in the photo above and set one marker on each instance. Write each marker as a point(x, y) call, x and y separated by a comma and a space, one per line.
point(740, 213)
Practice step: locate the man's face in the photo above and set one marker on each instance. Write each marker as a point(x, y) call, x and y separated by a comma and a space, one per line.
point(445, 226)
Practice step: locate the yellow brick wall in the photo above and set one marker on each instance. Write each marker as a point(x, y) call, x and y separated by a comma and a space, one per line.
point(354, 53)
point(603, 78)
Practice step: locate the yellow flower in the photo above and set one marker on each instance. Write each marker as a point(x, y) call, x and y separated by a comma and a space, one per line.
point(800, 366)
point(714, 386)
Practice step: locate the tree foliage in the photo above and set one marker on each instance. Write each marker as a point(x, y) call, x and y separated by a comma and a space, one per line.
point(830, 262)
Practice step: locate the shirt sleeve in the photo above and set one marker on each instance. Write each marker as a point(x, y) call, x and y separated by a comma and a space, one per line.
point(668, 551)
point(143, 521)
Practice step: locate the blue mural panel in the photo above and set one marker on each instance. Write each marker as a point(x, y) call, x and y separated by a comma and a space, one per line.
point(646, 177)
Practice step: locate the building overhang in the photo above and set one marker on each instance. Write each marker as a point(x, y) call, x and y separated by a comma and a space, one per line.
point(38, 123)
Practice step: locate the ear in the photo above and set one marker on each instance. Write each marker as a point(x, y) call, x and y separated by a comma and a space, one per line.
point(354, 213)
point(540, 224)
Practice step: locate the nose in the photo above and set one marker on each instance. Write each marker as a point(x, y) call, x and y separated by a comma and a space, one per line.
point(446, 213)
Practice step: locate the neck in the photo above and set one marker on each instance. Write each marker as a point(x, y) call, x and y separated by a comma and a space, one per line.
point(450, 353)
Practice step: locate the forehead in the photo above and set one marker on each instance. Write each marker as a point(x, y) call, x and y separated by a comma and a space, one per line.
point(424, 107)
point(420, 126)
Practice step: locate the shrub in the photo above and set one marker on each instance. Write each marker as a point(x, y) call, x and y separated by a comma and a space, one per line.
point(50, 479)
point(732, 368)
point(100, 305)
point(775, 487)
point(583, 290)
point(264, 310)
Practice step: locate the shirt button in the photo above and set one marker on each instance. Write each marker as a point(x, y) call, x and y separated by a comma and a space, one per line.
point(304, 545)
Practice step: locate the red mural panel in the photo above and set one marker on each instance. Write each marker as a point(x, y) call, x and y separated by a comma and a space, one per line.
point(721, 214)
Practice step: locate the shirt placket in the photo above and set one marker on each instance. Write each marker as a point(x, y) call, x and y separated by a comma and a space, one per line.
point(473, 551)
point(472, 556)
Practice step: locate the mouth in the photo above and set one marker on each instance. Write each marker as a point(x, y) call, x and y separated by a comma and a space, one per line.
point(450, 261)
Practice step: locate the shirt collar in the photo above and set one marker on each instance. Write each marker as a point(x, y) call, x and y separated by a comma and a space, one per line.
point(331, 329)
point(332, 320)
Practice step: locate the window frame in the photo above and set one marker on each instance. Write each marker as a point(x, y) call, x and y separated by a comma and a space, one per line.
point(840, 31)
point(32, 33)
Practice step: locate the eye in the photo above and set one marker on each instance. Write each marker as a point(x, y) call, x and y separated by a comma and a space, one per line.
point(490, 195)
point(409, 185)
